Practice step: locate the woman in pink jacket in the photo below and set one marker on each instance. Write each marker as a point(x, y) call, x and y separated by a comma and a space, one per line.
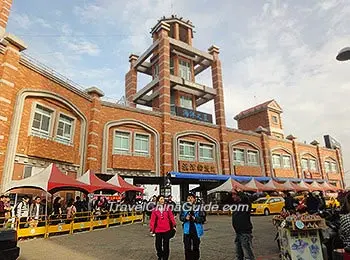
point(162, 224)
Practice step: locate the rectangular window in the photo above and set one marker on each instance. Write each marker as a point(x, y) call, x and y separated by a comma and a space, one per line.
point(313, 165)
point(276, 161)
point(253, 158)
point(42, 121)
point(333, 167)
point(275, 119)
point(304, 165)
point(238, 157)
point(141, 144)
point(156, 70)
point(172, 69)
point(327, 167)
point(122, 142)
point(27, 171)
point(185, 70)
point(287, 162)
point(187, 151)
point(206, 152)
point(65, 129)
point(186, 102)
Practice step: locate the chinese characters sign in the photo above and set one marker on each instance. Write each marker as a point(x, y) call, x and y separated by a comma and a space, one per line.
point(192, 114)
point(199, 167)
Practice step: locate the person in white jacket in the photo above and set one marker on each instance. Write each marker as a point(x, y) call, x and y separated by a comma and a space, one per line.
point(22, 211)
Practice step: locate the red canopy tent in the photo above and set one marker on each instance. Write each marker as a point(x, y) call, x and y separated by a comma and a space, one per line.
point(305, 186)
point(329, 187)
point(118, 181)
point(96, 183)
point(229, 186)
point(50, 179)
point(275, 186)
point(256, 186)
point(294, 187)
point(315, 186)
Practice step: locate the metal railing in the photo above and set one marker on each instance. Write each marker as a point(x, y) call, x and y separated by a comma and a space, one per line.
point(61, 224)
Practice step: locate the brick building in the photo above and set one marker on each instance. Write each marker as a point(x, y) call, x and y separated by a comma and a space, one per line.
point(44, 119)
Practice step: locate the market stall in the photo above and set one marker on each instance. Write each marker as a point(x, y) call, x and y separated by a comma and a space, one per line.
point(96, 184)
point(229, 186)
point(118, 181)
point(299, 236)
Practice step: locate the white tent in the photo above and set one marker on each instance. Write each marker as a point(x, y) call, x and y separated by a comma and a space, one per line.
point(229, 186)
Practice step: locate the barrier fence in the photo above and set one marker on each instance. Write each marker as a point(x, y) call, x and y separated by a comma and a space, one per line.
point(82, 221)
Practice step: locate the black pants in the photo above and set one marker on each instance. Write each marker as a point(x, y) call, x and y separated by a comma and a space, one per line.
point(191, 243)
point(162, 245)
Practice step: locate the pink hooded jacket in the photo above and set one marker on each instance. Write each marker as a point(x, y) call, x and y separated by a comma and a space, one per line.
point(162, 221)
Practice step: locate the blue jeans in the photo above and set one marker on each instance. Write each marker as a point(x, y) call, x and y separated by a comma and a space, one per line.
point(244, 249)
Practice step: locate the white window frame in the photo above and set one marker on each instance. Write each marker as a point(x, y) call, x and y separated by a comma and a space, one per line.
point(274, 121)
point(62, 139)
point(187, 75)
point(142, 152)
point(186, 157)
point(206, 159)
point(236, 162)
point(184, 99)
point(274, 164)
point(316, 166)
point(290, 161)
point(329, 170)
point(37, 132)
point(335, 167)
point(307, 164)
point(119, 150)
point(256, 152)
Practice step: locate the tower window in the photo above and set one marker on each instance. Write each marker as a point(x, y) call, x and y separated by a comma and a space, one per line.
point(185, 70)
point(186, 102)
point(275, 119)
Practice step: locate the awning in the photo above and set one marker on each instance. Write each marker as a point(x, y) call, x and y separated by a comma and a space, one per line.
point(50, 179)
point(214, 177)
point(229, 186)
point(299, 180)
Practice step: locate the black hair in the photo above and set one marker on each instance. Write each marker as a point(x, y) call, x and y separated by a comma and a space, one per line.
point(57, 199)
point(191, 195)
point(77, 198)
point(26, 197)
point(37, 197)
point(159, 196)
point(2, 196)
point(70, 202)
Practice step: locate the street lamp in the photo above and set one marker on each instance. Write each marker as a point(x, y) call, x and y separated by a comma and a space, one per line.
point(344, 54)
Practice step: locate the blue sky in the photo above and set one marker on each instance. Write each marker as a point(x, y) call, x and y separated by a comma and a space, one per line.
point(269, 49)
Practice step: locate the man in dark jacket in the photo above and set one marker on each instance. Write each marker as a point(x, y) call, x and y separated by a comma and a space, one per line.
point(312, 203)
point(243, 226)
point(290, 203)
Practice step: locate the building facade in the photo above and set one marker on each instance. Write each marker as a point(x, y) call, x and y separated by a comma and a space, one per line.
point(45, 119)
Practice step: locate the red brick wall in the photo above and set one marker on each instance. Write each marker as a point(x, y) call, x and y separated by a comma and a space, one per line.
point(39, 147)
point(254, 121)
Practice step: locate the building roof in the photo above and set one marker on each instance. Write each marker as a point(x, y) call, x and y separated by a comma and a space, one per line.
point(171, 19)
point(271, 104)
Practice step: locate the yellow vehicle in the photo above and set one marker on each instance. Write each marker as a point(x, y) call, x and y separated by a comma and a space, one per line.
point(332, 202)
point(267, 205)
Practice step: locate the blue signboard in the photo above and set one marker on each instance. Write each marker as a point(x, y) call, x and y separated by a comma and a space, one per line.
point(192, 114)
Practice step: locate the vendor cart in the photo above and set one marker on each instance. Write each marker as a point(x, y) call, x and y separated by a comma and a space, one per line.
point(299, 237)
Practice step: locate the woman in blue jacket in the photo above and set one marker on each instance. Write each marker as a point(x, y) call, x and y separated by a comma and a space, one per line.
point(192, 218)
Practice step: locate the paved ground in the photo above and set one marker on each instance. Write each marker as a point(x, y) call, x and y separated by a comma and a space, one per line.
point(133, 242)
